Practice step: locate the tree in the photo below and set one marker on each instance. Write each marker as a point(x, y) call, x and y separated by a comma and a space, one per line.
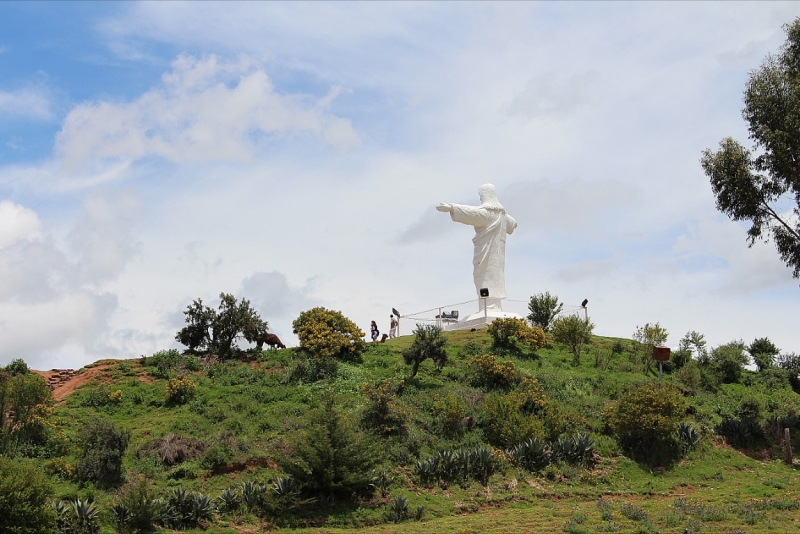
point(25, 403)
point(428, 343)
point(763, 352)
point(217, 330)
point(694, 341)
point(25, 494)
point(573, 332)
point(648, 336)
point(330, 455)
point(726, 362)
point(102, 446)
point(755, 188)
point(544, 308)
point(326, 333)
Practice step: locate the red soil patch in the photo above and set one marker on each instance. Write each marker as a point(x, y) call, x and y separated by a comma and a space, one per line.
point(68, 384)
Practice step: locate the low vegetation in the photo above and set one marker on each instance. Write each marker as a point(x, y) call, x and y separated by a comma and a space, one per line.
point(502, 429)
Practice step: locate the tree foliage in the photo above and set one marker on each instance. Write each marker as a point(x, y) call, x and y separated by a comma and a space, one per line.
point(573, 331)
point(25, 404)
point(508, 332)
point(102, 447)
point(328, 334)
point(428, 343)
point(763, 352)
point(216, 331)
point(755, 186)
point(25, 494)
point(725, 363)
point(648, 336)
point(544, 308)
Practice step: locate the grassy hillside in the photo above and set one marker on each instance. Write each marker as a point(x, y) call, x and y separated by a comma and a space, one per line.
point(241, 421)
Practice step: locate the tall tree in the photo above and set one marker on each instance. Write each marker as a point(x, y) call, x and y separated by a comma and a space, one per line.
point(761, 186)
point(544, 308)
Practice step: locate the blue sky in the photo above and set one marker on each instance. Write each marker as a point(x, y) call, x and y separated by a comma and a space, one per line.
point(292, 153)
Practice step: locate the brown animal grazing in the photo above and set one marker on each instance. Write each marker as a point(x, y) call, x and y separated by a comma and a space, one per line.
point(384, 338)
point(270, 339)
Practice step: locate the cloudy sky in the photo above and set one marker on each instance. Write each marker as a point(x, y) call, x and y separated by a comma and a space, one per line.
point(292, 153)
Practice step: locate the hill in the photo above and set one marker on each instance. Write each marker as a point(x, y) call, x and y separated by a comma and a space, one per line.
point(281, 441)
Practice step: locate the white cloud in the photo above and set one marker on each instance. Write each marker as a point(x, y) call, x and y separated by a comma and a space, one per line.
point(18, 223)
point(206, 109)
point(271, 294)
point(27, 103)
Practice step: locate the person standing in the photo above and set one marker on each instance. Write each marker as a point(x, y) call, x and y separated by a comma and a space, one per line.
point(392, 327)
point(373, 331)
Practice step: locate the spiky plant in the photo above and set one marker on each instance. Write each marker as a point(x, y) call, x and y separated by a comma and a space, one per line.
point(229, 500)
point(398, 509)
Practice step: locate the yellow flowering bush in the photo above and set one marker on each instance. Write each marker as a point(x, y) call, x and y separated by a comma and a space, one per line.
point(486, 370)
point(115, 396)
point(508, 332)
point(326, 333)
point(180, 390)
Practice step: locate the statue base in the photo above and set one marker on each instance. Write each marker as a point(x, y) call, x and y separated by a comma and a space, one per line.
point(489, 310)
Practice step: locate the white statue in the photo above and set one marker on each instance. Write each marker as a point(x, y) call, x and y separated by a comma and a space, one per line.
point(492, 224)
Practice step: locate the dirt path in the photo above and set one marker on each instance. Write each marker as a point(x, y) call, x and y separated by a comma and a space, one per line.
point(66, 383)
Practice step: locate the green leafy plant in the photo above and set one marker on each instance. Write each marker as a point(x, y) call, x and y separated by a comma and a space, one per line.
point(102, 447)
point(25, 494)
point(573, 332)
point(647, 337)
point(508, 332)
point(428, 343)
point(488, 371)
point(544, 308)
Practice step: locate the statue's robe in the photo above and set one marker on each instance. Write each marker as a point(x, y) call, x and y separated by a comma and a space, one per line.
point(489, 259)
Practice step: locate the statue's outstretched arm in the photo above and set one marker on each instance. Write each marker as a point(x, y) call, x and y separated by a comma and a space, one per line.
point(442, 206)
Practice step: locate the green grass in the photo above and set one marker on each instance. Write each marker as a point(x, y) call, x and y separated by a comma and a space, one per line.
point(248, 408)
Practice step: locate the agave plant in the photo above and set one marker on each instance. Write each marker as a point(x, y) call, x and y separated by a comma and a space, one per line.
point(530, 454)
point(252, 494)
point(427, 470)
point(382, 480)
point(398, 509)
point(181, 502)
point(285, 487)
point(63, 511)
point(583, 448)
point(202, 508)
point(483, 464)
point(688, 436)
point(85, 515)
point(121, 515)
point(229, 500)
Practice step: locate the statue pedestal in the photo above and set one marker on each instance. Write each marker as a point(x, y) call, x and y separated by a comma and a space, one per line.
point(490, 309)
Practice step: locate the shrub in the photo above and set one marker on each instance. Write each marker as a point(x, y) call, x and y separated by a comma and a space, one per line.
point(17, 367)
point(309, 369)
point(180, 390)
point(544, 308)
point(165, 362)
point(505, 423)
point(486, 370)
point(647, 337)
point(428, 343)
point(330, 455)
point(25, 494)
point(102, 446)
point(449, 411)
point(645, 420)
point(138, 508)
point(216, 456)
point(384, 413)
point(173, 449)
point(329, 334)
point(508, 332)
point(25, 404)
point(725, 363)
point(573, 332)
point(763, 352)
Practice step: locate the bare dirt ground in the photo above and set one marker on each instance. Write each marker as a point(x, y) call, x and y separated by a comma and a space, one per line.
point(98, 372)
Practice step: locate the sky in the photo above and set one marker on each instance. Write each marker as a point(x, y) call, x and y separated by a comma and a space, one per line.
point(292, 154)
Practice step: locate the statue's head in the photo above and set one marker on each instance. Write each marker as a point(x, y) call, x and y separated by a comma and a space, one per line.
point(488, 196)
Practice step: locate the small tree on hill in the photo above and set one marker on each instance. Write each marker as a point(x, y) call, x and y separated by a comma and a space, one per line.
point(326, 333)
point(428, 343)
point(763, 352)
point(573, 331)
point(216, 331)
point(648, 336)
point(25, 494)
point(102, 446)
point(544, 309)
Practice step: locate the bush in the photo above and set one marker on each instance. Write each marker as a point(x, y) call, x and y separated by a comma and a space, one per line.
point(544, 309)
point(428, 343)
point(138, 509)
point(25, 494)
point(449, 411)
point(647, 337)
point(180, 390)
point(325, 333)
point(573, 332)
point(508, 332)
point(17, 367)
point(309, 369)
point(645, 421)
point(330, 456)
point(102, 446)
point(165, 362)
point(763, 352)
point(725, 364)
point(384, 413)
point(505, 422)
point(485, 370)
point(25, 404)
